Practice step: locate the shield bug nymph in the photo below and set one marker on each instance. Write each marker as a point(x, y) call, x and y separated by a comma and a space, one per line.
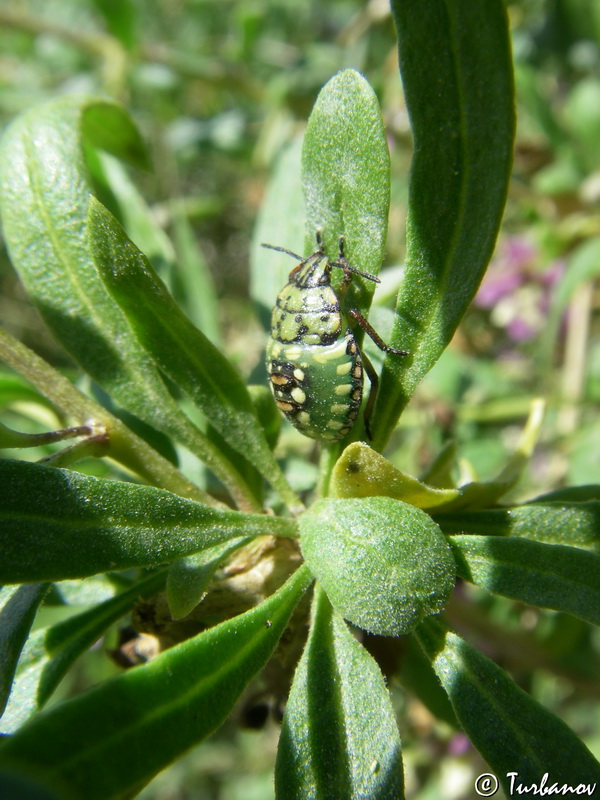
point(315, 366)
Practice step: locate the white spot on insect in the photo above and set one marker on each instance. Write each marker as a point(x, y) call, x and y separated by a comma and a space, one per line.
point(344, 369)
point(298, 374)
point(298, 395)
point(330, 353)
point(342, 389)
point(335, 424)
point(338, 408)
point(303, 417)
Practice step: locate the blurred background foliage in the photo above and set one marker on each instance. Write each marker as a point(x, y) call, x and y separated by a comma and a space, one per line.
point(218, 89)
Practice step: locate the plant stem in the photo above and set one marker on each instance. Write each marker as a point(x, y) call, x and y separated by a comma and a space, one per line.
point(329, 455)
point(125, 447)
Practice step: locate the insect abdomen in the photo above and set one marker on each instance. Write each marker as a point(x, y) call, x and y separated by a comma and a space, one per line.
point(317, 386)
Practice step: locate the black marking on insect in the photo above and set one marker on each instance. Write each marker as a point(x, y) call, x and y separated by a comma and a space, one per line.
point(315, 366)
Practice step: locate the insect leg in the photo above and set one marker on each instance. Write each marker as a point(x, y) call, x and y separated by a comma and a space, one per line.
point(370, 331)
point(348, 269)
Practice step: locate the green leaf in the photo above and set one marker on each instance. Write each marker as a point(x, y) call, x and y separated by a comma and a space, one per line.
point(546, 575)
point(565, 523)
point(125, 447)
point(57, 524)
point(136, 215)
point(20, 787)
point(346, 177)
point(189, 577)
point(513, 733)
point(44, 197)
point(192, 362)
point(18, 606)
point(417, 676)
point(121, 20)
point(569, 495)
point(49, 652)
point(339, 736)
point(194, 287)
point(362, 472)
point(161, 708)
point(456, 69)
point(384, 564)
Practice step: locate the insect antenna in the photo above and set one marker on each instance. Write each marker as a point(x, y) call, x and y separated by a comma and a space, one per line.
point(282, 250)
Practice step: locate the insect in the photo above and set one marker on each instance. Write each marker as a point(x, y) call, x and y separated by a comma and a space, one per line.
point(314, 364)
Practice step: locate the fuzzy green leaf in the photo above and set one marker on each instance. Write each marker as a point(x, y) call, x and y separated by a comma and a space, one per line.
point(183, 352)
point(512, 731)
point(346, 176)
point(384, 564)
point(57, 524)
point(456, 69)
point(546, 575)
point(117, 736)
point(339, 736)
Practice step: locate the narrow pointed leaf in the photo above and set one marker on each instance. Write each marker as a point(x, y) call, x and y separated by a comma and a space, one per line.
point(189, 577)
point(456, 69)
point(546, 575)
point(565, 523)
point(339, 737)
point(18, 606)
point(57, 524)
point(49, 652)
point(383, 564)
point(183, 352)
point(513, 733)
point(117, 736)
